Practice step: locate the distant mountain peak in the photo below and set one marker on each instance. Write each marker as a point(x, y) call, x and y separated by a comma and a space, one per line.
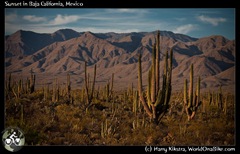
point(65, 30)
point(89, 33)
point(64, 34)
point(22, 32)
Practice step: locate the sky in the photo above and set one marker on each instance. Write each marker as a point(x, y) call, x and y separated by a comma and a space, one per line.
point(193, 22)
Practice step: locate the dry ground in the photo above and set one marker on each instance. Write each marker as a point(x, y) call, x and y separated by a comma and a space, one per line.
point(114, 123)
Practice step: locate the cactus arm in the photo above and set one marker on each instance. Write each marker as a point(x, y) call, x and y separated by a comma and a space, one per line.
point(149, 102)
point(170, 65)
point(157, 61)
point(185, 95)
point(186, 103)
point(159, 97)
point(191, 87)
point(153, 80)
point(86, 83)
point(198, 92)
point(94, 79)
point(140, 88)
point(112, 84)
point(169, 78)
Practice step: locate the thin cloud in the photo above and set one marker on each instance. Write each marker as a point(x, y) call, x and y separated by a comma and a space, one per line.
point(61, 19)
point(184, 29)
point(38, 28)
point(10, 28)
point(126, 10)
point(33, 18)
point(11, 17)
point(138, 11)
point(213, 21)
point(103, 30)
point(48, 29)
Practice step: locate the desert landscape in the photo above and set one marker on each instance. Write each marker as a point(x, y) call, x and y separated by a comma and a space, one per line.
point(139, 88)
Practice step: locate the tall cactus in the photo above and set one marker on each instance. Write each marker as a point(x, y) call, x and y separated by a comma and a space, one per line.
point(68, 87)
point(135, 101)
point(112, 86)
point(89, 92)
point(220, 98)
point(157, 60)
point(109, 89)
point(191, 101)
point(19, 91)
point(158, 99)
point(32, 82)
point(225, 105)
point(46, 92)
point(27, 84)
point(209, 98)
point(55, 95)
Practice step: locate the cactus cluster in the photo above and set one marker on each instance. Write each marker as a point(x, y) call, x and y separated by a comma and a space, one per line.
point(218, 100)
point(157, 101)
point(17, 88)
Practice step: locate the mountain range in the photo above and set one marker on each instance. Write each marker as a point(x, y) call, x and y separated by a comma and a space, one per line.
point(53, 55)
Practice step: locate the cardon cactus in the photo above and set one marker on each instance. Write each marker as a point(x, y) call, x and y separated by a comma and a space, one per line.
point(32, 82)
point(191, 100)
point(89, 92)
point(157, 101)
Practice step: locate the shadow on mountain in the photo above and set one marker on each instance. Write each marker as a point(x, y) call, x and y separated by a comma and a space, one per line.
point(221, 64)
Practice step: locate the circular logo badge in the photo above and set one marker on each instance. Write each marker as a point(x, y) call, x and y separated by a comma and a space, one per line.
point(13, 139)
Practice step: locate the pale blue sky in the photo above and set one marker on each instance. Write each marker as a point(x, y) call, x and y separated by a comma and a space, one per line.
point(193, 22)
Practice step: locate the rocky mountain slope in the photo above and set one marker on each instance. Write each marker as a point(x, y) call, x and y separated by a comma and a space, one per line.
point(65, 51)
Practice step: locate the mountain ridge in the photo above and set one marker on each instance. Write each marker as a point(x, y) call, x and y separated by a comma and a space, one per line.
point(66, 51)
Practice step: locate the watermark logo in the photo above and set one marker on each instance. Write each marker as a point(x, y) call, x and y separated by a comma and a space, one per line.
point(13, 139)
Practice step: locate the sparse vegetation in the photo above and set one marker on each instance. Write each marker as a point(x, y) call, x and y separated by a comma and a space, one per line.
point(52, 115)
point(115, 123)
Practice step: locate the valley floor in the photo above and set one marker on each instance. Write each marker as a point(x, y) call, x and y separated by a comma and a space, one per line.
point(113, 122)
